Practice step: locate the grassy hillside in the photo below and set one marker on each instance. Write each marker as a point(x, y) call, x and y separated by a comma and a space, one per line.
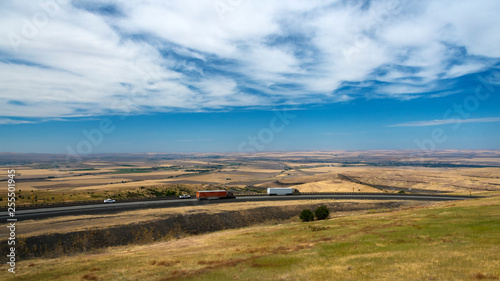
point(446, 241)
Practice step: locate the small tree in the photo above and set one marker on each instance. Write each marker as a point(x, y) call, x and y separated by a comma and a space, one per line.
point(306, 215)
point(321, 213)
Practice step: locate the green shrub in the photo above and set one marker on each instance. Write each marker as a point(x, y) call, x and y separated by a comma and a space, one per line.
point(401, 192)
point(306, 215)
point(321, 213)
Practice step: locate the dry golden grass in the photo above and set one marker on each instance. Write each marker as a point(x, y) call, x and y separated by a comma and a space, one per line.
point(120, 186)
point(26, 173)
point(334, 186)
point(459, 181)
point(251, 169)
point(67, 224)
point(88, 179)
point(446, 241)
point(449, 180)
point(33, 185)
point(319, 170)
point(221, 177)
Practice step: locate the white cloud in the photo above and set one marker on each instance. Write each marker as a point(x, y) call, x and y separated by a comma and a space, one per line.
point(80, 63)
point(459, 70)
point(445, 122)
point(9, 121)
point(219, 87)
point(473, 24)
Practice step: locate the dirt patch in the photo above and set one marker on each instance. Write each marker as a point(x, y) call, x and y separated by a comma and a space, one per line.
point(481, 276)
point(176, 274)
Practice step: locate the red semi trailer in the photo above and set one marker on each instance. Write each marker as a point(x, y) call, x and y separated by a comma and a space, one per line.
point(214, 194)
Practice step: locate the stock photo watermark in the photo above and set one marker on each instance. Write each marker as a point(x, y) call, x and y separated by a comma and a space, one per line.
point(93, 138)
point(456, 115)
point(31, 26)
point(137, 94)
point(96, 136)
point(11, 209)
point(266, 135)
point(222, 7)
point(378, 19)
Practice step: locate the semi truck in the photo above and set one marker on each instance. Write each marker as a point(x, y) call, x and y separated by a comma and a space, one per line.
point(282, 191)
point(214, 194)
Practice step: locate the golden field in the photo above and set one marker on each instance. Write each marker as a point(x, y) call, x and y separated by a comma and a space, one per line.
point(382, 241)
point(458, 172)
point(443, 241)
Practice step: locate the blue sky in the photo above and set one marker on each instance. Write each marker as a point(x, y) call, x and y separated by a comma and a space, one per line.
point(227, 76)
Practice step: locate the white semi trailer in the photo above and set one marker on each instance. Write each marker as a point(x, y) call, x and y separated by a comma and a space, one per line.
point(282, 191)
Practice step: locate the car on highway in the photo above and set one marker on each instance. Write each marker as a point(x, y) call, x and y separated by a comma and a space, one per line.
point(184, 196)
point(109, 201)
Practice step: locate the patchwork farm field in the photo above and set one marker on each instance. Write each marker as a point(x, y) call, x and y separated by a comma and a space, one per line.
point(49, 178)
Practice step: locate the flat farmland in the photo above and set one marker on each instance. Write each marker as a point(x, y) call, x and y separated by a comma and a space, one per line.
point(445, 180)
point(231, 176)
point(335, 186)
point(72, 182)
point(144, 175)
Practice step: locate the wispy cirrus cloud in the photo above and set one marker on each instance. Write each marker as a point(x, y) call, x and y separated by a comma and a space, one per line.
point(10, 121)
point(438, 122)
point(90, 57)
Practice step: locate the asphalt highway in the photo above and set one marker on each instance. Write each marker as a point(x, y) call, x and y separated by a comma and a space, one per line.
point(127, 206)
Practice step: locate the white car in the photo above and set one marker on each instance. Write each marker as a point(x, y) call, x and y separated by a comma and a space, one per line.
point(109, 201)
point(185, 196)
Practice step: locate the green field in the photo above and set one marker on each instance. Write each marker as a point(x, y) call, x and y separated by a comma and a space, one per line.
point(443, 241)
